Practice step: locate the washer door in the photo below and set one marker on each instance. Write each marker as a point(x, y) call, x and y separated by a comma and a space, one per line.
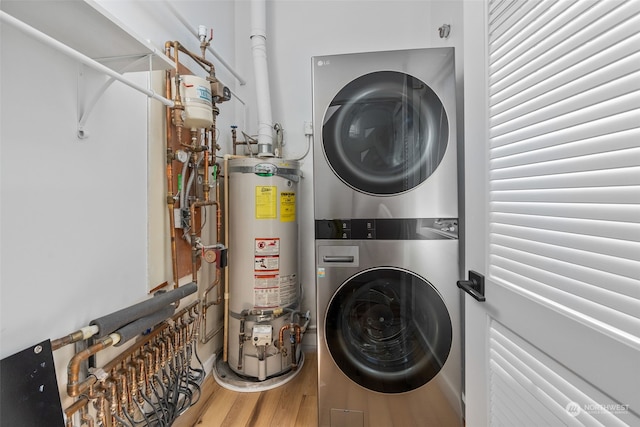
point(388, 330)
point(385, 133)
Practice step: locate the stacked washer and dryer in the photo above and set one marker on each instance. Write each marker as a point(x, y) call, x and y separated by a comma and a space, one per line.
point(386, 218)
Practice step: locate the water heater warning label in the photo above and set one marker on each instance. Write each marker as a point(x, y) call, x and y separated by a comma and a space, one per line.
point(267, 255)
point(266, 263)
point(287, 206)
point(266, 202)
point(266, 290)
point(266, 298)
point(269, 288)
point(267, 246)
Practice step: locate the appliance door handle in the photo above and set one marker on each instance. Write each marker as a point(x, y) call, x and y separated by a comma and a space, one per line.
point(338, 258)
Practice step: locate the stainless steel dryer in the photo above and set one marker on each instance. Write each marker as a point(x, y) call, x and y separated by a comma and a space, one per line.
point(385, 135)
point(388, 328)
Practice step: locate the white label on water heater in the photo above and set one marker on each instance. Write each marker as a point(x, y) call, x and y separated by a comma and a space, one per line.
point(266, 298)
point(268, 246)
point(268, 287)
point(288, 292)
point(266, 263)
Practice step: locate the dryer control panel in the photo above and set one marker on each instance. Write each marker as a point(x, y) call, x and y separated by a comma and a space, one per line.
point(387, 229)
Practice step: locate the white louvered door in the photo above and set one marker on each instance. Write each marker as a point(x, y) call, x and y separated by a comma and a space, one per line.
point(552, 200)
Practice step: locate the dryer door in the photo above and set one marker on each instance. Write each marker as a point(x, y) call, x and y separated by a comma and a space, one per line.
point(385, 133)
point(388, 330)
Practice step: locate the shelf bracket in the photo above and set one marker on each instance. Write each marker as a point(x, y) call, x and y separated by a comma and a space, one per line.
point(85, 107)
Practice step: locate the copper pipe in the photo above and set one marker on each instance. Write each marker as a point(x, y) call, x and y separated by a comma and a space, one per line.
point(76, 406)
point(178, 106)
point(71, 338)
point(298, 337)
point(132, 386)
point(163, 353)
point(171, 205)
point(113, 401)
point(201, 61)
point(121, 387)
point(297, 329)
point(215, 284)
point(170, 346)
point(100, 407)
point(205, 184)
point(79, 335)
point(74, 387)
point(281, 335)
point(149, 363)
point(141, 377)
point(169, 174)
point(195, 251)
point(85, 418)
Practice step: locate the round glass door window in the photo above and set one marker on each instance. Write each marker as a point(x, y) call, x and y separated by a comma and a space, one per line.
point(385, 133)
point(388, 330)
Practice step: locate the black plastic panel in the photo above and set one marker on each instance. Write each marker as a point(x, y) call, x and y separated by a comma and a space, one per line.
point(387, 229)
point(29, 394)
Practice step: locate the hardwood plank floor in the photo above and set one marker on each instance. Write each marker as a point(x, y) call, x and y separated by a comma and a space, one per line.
point(293, 404)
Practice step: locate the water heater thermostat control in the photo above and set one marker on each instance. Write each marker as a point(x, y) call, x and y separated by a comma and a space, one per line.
point(262, 335)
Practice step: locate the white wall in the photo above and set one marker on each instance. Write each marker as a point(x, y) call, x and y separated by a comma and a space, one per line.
point(299, 30)
point(75, 213)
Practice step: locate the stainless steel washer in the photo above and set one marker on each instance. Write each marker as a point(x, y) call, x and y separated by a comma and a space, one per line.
point(388, 332)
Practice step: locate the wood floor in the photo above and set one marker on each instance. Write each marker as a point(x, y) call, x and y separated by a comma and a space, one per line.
point(292, 404)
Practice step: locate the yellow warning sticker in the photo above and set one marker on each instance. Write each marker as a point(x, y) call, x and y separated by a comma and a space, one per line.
point(287, 206)
point(266, 202)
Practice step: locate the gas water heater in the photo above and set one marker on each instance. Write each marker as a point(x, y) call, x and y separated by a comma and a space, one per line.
point(264, 286)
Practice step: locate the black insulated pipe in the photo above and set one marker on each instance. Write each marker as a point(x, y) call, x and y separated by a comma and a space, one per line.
point(141, 325)
point(111, 322)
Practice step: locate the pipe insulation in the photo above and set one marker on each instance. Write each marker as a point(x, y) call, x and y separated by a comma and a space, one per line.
point(141, 325)
point(263, 96)
point(111, 322)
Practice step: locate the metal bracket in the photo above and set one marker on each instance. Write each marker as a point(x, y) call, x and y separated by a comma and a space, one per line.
point(85, 105)
point(474, 286)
